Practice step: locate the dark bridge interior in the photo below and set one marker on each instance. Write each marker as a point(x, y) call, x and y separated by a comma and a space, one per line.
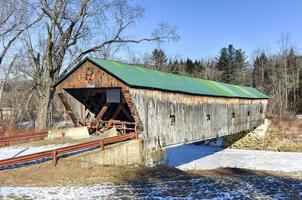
point(98, 105)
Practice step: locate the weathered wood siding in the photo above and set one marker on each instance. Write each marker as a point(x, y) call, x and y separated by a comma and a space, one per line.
point(101, 79)
point(151, 109)
point(191, 124)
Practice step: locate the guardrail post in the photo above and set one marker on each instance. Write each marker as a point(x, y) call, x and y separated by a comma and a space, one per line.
point(54, 157)
point(103, 144)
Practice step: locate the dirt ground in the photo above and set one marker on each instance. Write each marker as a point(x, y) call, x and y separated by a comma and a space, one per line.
point(284, 135)
point(69, 172)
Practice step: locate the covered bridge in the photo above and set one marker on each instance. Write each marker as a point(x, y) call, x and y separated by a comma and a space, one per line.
point(165, 108)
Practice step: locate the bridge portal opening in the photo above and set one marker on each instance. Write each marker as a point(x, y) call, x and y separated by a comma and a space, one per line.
point(98, 108)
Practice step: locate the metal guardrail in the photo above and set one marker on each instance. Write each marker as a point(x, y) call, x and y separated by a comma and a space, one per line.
point(7, 140)
point(69, 149)
point(123, 127)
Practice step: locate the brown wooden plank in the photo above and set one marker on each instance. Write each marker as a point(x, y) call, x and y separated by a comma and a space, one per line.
point(110, 122)
point(68, 109)
point(132, 107)
point(101, 114)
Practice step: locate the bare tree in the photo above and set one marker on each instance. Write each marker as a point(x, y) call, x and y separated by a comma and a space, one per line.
point(73, 28)
point(279, 76)
point(210, 71)
point(15, 19)
point(6, 75)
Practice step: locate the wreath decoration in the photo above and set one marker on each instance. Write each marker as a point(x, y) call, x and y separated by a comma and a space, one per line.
point(89, 72)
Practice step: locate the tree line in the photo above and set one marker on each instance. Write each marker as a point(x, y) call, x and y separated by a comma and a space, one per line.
point(39, 37)
point(278, 75)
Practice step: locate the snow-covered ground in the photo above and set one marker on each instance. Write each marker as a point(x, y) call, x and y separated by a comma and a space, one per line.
point(241, 186)
point(15, 151)
point(58, 192)
point(199, 157)
point(225, 188)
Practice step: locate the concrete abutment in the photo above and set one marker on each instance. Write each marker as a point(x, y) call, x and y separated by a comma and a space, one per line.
point(132, 152)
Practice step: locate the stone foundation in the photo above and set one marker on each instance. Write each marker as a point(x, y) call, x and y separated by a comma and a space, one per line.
point(255, 139)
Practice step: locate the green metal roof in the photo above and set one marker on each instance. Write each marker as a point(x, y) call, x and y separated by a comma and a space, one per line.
point(139, 77)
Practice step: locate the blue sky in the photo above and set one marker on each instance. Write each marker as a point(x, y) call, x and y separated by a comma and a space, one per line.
point(205, 26)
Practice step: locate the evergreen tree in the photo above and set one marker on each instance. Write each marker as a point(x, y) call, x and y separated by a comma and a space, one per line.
point(232, 63)
point(240, 65)
point(240, 60)
point(159, 58)
point(190, 67)
point(260, 75)
point(231, 55)
point(222, 60)
point(198, 69)
point(224, 63)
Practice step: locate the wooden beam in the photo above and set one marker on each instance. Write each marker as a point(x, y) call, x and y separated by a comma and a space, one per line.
point(101, 114)
point(68, 109)
point(126, 113)
point(133, 110)
point(115, 114)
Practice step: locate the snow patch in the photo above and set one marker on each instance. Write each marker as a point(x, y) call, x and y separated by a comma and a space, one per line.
point(14, 151)
point(202, 157)
point(78, 192)
point(245, 187)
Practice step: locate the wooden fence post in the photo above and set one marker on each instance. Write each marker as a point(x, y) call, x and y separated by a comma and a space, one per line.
point(54, 157)
point(101, 146)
